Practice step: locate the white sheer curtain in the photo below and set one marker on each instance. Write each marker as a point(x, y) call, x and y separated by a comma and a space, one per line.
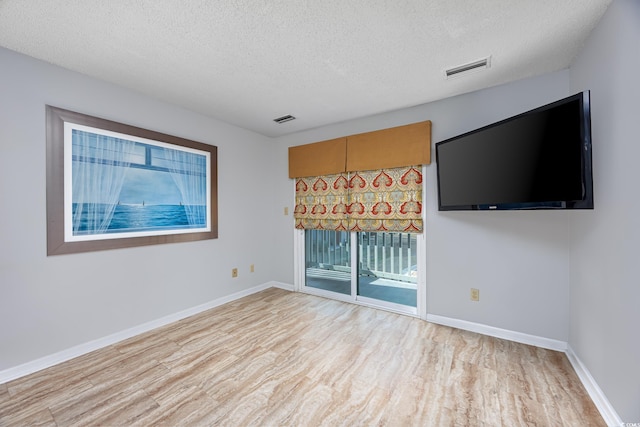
point(100, 164)
point(188, 171)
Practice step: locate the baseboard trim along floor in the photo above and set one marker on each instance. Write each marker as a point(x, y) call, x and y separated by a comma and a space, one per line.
point(81, 349)
point(506, 334)
point(595, 392)
point(600, 400)
point(607, 412)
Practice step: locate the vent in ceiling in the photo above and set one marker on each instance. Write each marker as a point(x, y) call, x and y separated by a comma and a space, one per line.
point(469, 67)
point(284, 119)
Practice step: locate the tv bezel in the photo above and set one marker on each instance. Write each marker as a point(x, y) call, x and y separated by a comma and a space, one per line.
point(586, 202)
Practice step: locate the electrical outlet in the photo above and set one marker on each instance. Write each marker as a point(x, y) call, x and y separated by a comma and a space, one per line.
point(475, 294)
point(234, 272)
point(286, 210)
point(252, 268)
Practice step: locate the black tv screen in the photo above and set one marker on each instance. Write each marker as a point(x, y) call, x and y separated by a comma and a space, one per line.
point(540, 159)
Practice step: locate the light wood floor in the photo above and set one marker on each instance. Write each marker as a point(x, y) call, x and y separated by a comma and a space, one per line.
point(281, 358)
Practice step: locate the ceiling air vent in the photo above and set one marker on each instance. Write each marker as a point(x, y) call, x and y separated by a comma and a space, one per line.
point(283, 119)
point(476, 65)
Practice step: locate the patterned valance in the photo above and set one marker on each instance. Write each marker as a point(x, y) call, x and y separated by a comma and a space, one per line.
point(381, 200)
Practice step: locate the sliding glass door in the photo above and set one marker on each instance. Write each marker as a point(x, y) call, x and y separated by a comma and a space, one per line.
point(379, 269)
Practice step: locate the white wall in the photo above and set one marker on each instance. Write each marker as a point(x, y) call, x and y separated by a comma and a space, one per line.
point(605, 258)
point(518, 260)
point(49, 304)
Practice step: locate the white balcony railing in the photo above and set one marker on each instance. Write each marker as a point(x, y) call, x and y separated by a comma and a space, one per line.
point(385, 255)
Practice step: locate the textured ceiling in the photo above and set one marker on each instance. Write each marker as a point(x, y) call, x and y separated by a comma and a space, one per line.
point(323, 61)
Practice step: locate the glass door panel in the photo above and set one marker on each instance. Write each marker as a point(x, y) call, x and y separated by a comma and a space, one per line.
point(328, 260)
point(387, 267)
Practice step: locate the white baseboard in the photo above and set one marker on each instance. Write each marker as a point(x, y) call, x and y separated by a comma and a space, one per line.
point(609, 414)
point(520, 337)
point(64, 355)
point(285, 286)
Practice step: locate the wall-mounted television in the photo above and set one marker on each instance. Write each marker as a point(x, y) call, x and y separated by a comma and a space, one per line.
point(540, 159)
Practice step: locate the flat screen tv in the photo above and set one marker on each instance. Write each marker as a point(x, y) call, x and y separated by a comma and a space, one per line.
point(540, 159)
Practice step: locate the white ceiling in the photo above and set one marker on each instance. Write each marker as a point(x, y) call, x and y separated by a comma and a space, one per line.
point(323, 61)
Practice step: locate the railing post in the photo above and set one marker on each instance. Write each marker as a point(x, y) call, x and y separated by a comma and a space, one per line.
point(393, 253)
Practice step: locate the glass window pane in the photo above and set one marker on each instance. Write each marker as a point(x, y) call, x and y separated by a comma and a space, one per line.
point(387, 267)
point(328, 260)
point(137, 155)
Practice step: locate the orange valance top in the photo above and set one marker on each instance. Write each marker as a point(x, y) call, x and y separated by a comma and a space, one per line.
point(319, 158)
point(387, 148)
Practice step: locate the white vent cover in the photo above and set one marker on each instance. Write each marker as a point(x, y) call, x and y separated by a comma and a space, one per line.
point(466, 68)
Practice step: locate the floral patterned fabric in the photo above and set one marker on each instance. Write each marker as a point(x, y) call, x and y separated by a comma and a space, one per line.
point(382, 200)
point(321, 203)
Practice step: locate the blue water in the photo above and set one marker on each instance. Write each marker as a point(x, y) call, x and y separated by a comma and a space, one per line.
point(130, 218)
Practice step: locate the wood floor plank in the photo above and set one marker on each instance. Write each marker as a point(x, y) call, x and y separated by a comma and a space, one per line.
point(29, 417)
point(41, 395)
point(117, 394)
point(110, 406)
point(291, 359)
point(188, 406)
